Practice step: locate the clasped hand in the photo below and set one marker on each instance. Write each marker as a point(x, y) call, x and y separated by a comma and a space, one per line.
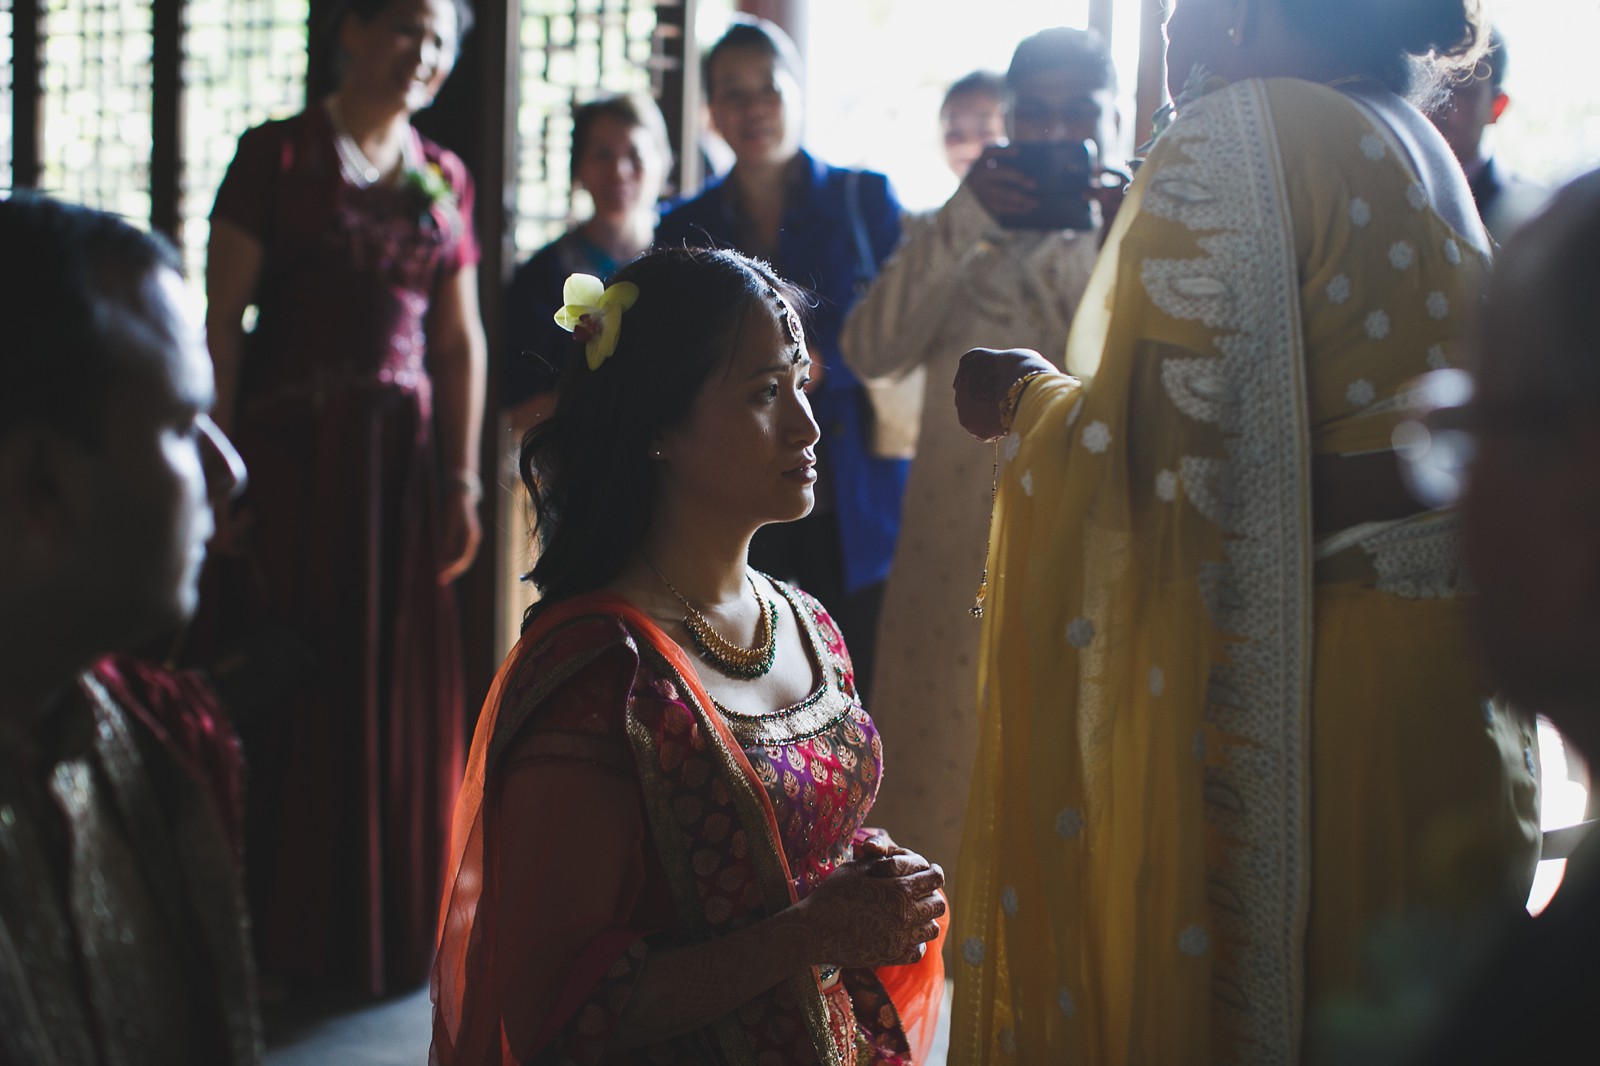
point(982, 381)
point(879, 909)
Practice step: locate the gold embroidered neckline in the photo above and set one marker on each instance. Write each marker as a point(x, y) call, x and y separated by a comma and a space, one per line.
point(817, 713)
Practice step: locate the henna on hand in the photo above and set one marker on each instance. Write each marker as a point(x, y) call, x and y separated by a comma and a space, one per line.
point(852, 919)
point(876, 846)
point(982, 381)
point(858, 917)
point(902, 863)
point(861, 920)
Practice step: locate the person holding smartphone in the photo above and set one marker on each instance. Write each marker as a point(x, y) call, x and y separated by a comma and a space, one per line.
point(962, 277)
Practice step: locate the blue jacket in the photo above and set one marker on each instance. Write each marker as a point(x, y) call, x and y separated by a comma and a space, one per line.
point(818, 251)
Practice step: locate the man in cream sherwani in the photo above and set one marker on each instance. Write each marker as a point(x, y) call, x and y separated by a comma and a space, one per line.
point(959, 280)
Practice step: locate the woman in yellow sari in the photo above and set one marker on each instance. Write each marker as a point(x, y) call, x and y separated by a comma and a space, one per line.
point(1229, 725)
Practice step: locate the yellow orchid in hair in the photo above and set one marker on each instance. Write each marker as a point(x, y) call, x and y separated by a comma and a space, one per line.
point(593, 314)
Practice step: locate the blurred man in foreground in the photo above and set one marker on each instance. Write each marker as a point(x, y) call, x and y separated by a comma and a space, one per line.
point(122, 934)
point(1532, 526)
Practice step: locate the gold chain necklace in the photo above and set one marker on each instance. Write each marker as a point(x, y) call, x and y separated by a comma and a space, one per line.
point(745, 664)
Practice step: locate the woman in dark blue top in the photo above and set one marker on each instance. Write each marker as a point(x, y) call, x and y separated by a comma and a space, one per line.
point(826, 228)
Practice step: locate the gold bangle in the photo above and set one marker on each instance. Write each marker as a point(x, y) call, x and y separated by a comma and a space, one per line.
point(1008, 408)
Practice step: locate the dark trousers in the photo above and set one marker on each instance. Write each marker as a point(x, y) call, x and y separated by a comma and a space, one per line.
point(807, 553)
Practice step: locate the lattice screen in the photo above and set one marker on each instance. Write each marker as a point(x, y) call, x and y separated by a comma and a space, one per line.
point(572, 50)
point(244, 61)
point(95, 132)
point(5, 96)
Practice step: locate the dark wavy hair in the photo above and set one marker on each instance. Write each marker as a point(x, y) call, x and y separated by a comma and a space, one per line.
point(588, 466)
point(1411, 46)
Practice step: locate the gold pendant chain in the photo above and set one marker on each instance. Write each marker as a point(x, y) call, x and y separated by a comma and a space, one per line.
point(1008, 414)
point(976, 610)
point(744, 664)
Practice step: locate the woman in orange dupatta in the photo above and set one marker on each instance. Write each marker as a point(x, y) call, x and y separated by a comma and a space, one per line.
point(653, 861)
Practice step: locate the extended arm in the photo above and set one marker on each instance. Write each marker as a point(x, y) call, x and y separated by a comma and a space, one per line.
point(457, 354)
point(982, 381)
point(233, 267)
point(894, 327)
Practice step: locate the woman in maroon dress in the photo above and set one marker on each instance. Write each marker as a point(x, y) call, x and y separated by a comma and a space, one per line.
point(357, 402)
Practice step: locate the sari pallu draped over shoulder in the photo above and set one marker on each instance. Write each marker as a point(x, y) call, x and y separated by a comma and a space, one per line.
point(707, 837)
point(1215, 753)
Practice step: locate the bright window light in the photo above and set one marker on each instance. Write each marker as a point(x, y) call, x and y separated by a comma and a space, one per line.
point(879, 68)
point(878, 71)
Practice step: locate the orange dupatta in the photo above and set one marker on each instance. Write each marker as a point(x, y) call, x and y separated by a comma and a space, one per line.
point(915, 991)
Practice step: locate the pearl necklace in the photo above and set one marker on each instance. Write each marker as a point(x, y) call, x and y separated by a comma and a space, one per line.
point(354, 164)
point(740, 663)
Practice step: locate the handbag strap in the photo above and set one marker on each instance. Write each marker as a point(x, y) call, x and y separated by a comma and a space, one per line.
point(866, 262)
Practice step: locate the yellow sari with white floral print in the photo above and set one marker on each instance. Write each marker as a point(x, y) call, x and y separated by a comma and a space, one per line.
point(1216, 753)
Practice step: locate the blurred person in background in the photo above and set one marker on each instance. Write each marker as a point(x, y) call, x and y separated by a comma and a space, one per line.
point(972, 118)
point(357, 400)
point(620, 158)
point(1504, 199)
point(827, 229)
point(962, 278)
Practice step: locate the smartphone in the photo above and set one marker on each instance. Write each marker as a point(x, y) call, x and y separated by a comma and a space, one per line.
point(1061, 173)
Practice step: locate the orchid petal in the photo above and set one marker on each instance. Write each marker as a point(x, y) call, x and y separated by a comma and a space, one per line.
point(601, 348)
point(593, 313)
point(620, 296)
point(583, 289)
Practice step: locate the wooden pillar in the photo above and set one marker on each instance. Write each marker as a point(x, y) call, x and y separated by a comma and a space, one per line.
point(474, 117)
point(679, 91)
point(166, 117)
point(1152, 90)
point(321, 47)
point(27, 91)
